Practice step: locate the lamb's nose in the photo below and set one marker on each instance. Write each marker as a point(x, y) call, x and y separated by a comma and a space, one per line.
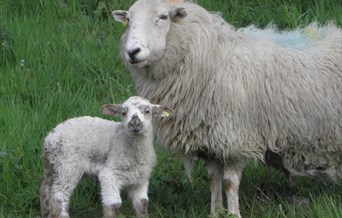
point(135, 124)
point(133, 52)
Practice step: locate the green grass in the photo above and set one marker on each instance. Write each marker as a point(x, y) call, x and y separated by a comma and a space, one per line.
point(59, 59)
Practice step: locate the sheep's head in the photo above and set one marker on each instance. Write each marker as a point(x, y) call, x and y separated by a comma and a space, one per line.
point(136, 113)
point(149, 22)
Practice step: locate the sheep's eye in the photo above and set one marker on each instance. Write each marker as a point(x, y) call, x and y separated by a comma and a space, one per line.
point(147, 111)
point(123, 113)
point(163, 17)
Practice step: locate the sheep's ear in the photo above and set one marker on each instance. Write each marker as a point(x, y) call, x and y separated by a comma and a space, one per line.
point(162, 111)
point(178, 13)
point(120, 16)
point(111, 109)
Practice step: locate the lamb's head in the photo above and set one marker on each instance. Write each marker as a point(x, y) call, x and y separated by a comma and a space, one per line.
point(149, 22)
point(136, 113)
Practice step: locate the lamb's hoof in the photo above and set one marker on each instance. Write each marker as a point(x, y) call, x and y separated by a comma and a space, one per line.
point(141, 208)
point(111, 211)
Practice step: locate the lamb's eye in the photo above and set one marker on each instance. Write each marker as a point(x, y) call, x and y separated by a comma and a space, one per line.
point(123, 113)
point(147, 111)
point(163, 17)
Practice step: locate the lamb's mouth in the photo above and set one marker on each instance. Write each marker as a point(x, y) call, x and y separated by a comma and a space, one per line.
point(135, 131)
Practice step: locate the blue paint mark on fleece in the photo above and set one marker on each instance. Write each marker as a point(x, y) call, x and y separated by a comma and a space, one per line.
point(295, 39)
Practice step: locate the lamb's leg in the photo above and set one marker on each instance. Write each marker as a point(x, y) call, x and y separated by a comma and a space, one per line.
point(110, 211)
point(63, 185)
point(232, 173)
point(138, 195)
point(214, 168)
point(45, 191)
point(110, 193)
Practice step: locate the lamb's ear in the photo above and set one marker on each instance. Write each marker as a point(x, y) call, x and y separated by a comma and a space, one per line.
point(120, 16)
point(162, 111)
point(111, 109)
point(178, 13)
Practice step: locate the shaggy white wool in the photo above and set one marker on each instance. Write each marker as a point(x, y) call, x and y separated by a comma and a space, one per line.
point(239, 92)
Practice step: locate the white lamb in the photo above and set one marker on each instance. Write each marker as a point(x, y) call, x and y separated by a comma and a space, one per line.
point(119, 154)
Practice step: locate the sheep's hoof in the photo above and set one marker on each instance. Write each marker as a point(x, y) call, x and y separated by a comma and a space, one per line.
point(111, 211)
point(141, 208)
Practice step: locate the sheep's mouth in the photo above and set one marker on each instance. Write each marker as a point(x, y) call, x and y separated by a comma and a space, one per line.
point(134, 61)
point(137, 62)
point(136, 130)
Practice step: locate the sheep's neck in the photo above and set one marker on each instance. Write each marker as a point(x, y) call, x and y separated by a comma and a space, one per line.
point(138, 147)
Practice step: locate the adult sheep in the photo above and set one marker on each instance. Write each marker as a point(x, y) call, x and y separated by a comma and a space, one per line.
point(239, 93)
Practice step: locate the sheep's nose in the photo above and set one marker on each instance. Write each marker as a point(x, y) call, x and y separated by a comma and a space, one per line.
point(133, 52)
point(135, 124)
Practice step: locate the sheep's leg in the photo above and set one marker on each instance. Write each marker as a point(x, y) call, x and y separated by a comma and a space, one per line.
point(138, 195)
point(110, 211)
point(214, 168)
point(232, 173)
point(45, 191)
point(61, 190)
point(110, 193)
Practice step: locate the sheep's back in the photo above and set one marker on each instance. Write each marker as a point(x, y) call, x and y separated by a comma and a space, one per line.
point(82, 137)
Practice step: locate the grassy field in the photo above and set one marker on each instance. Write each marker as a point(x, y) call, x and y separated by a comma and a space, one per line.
point(59, 59)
